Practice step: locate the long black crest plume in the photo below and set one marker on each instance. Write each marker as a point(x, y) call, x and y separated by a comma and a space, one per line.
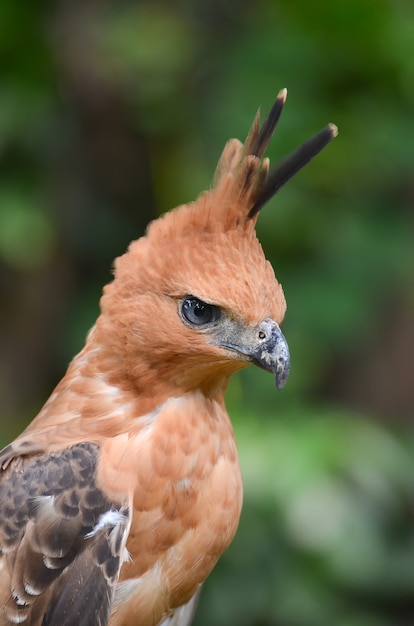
point(258, 140)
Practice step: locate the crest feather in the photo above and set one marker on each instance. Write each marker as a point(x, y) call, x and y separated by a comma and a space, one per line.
point(252, 182)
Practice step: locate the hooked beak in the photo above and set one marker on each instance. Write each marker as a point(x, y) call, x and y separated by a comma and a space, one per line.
point(264, 345)
point(272, 353)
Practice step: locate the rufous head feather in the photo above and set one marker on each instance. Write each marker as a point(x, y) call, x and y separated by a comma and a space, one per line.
point(207, 249)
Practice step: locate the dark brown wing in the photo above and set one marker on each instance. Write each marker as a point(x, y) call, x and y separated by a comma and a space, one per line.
point(62, 540)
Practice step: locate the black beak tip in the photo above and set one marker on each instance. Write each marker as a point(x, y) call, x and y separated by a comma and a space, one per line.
point(280, 380)
point(281, 373)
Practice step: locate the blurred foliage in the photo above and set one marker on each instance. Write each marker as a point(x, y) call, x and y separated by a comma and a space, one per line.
point(113, 112)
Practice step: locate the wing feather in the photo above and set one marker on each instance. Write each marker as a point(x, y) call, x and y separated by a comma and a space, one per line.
point(61, 540)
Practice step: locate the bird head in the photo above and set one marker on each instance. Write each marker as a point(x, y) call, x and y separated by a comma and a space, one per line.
point(195, 299)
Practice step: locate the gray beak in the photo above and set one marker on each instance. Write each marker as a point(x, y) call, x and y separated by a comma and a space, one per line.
point(272, 352)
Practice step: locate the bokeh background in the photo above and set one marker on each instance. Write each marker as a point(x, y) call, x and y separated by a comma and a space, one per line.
point(112, 112)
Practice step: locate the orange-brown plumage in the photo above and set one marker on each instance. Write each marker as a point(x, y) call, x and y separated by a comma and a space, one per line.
point(126, 487)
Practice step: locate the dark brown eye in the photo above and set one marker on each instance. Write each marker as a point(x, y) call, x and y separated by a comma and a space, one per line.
point(198, 313)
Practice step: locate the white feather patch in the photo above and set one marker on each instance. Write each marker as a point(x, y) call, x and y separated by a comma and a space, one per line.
point(17, 619)
point(110, 518)
point(31, 591)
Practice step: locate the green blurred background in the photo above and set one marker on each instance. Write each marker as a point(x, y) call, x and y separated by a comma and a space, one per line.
point(112, 112)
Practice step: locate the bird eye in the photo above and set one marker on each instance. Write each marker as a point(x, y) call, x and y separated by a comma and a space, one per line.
point(197, 312)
